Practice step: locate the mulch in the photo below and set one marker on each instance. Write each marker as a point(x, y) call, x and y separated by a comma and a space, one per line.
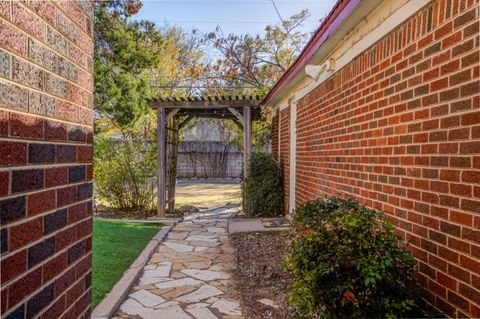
point(259, 274)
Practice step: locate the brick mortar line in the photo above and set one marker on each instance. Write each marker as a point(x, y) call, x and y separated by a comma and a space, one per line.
point(45, 117)
point(43, 214)
point(42, 41)
point(393, 175)
point(53, 116)
point(394, 185)
point(399, 197)
point(56, 254)
point(333, 107)
point(386, 146)
point(39, 190)
point(79, 27)
point(47, 94)
point(41, 67)
point(391, 184)
point(50, 282)
point(13, 139)
point(54, 27)
point(63, 12)
point(42, 166)
point(68, 308)
point(305, 159)
point(42, 141)
point(438, 256)
point(74, 304)
point(457, 291)
point(335, 99)
point(438, 218)
point(312, 127)
point(402, 187)
point(404, 58)
point(324, 134)
point(40, 265)
point(459, 252)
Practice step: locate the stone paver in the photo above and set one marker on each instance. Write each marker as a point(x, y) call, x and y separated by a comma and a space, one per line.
point(188, 277)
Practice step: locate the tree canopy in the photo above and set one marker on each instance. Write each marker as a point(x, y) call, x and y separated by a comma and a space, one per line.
point(125, 52)
point(136, 60)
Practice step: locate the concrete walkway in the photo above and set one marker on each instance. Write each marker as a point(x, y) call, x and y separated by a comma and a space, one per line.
point(188, 276)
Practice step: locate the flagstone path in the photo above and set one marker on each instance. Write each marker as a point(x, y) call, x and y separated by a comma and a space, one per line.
point(188, 276)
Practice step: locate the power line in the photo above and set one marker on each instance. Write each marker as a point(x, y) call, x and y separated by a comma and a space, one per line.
point(221, 22)
point(234, 2)
point(200, 87)
point(284, 25)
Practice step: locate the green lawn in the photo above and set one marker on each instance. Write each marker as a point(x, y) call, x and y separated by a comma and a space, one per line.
point(115, 247)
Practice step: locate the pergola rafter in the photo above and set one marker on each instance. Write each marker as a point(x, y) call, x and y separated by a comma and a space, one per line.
point(241, 109)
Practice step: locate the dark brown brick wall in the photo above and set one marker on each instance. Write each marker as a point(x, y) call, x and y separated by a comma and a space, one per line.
point(46, 135)
point(399, 129)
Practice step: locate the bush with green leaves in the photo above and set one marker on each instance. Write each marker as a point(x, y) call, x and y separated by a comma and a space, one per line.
point(125, 175)
point(347, 262)
point(264, 186)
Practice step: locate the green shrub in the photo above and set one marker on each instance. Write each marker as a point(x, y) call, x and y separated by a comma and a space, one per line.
point(125, 175)
point(348, 263)
point(264, 186)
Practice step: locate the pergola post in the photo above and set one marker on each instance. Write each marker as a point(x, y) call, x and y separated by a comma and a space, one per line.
point(161, 157)
point(247, 149)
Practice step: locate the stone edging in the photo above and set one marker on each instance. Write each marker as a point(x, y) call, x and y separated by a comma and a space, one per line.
point(109, 305)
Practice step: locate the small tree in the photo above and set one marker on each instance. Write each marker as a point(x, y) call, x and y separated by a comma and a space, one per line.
point(264, 186)
point(125, 175)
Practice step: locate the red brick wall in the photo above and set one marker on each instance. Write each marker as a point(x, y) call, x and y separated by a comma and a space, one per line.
point(284, 151)
point(399, 129)
point(275, 128)
point(46, 135)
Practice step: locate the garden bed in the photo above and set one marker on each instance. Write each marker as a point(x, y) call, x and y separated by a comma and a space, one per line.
point(115, 246)
point(259, 274)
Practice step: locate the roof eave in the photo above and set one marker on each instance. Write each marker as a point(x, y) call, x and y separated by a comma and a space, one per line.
point(345, 15)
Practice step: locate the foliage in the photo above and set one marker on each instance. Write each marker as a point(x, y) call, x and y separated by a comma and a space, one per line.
point(264, 186)
point(348, 263)
point(124, 53)
point(124, 172)
point(115, 247)
point(251, 64)
point(256, 61)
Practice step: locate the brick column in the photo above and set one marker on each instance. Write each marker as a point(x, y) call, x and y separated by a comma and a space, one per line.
point(46, 135)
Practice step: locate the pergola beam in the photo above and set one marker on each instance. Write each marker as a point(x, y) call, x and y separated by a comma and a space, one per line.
point(237, 115)
point(185, 122)
point(171, 114)
point(203, 104)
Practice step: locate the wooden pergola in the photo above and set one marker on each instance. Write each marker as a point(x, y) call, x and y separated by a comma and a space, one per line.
point(241, 109)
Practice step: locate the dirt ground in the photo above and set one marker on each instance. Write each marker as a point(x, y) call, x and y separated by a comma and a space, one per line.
point(202, 194)
point(208, 193)
point(259, 274)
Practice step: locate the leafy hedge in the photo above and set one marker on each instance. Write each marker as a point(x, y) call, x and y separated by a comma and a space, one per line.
point(348, 263)
point(264, 186)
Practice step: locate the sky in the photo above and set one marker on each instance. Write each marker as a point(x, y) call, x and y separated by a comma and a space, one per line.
point(238, 16)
